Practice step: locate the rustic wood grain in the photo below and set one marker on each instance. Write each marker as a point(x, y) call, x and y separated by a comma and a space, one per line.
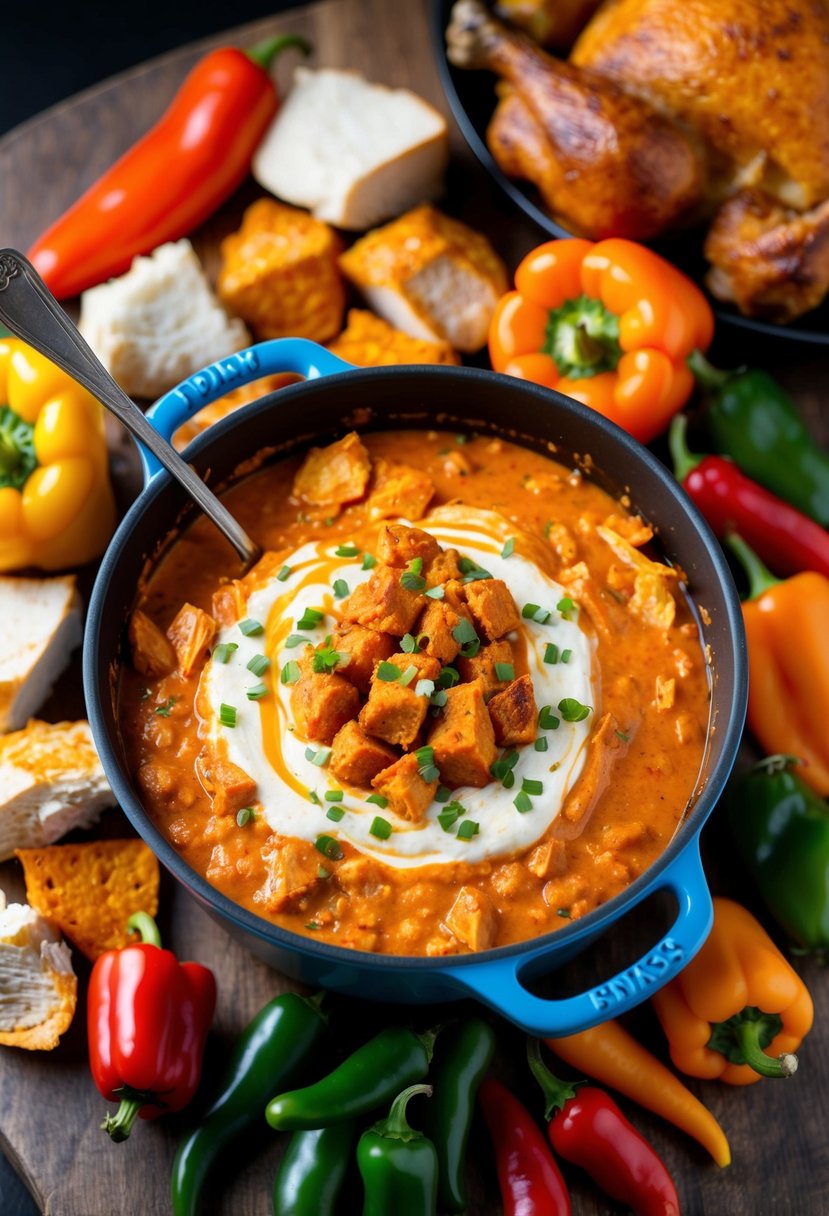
point(50, 1110)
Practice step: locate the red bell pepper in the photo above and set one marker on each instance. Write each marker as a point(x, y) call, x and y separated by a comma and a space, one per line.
point(588, 1129)
point(195, 156)
point(784, 537)
point(147, 1020)
point(530, 1181)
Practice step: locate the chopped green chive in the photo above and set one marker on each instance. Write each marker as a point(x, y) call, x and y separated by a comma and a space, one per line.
point(329, 847)
point(435, 593)
point(259, 664)
point(621, 734)
point(310, 618)
point(533, 612)
point(509, 780)
point(566, 656)
point(163, 710)
point(407, 676)
point(380, 827)
point(369, 562)
point(326, 658)
point(334, 813)
point(314, 797)
point(313, 924)
point(450, 815)
point(522, 802)
point(378, 800)
point(223, 651)
point(322, 872)
point(551, 653)
point(333, 795)
point(290, 673)
point(256, 692)
point(296, 639)
point(425, 688)
point(389, 673)
point(461, 439)
point(468, 829)
point(503, 766)
point(443, 794)
point(251, 628)
point(340, 588)
point(564, 913)
point(541, 744)
point(227, 714)
point(471, 571)
point(448, 678)
point(408, 644)
point(438, 699)
point(505, 672)
point(465, 635)
point(416, 565)
point(245, 816)
point(412, 581)
point(283, 573)
point(509, 547)
point(318, 755)
point(528, 786)
point(566, 607)
point(547, 719)
point(426, 764)
point(346, 551)
point(572, 710)
point(548, 527)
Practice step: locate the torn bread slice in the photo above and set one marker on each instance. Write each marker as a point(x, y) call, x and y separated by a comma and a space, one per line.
point(51, 781)
point(352, 152)
point(41, 627)
point(38, 987)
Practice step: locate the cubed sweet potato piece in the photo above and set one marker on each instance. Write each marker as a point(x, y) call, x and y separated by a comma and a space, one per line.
point(152, 653)
point(191, 633)
point(399, 490)
point(399, 544)
point(473, 919)
point(454, 594)
point(394, 712)
point(408, 794)
point(383, 603)
point(513, 713)
point(229, 786)
point(482, 665)
point(436, 625)
point(463, 739)
point(356, 758)
point(322, 705)
point(229, 603)
point(334, 475)
point(443, 568)
point(493, 609)
point(293, 871)
point(365, 649)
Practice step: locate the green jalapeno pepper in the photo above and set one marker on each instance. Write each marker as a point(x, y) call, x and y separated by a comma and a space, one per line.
point(313, 1170)
point(781, 828)
point(463, 1057)
point(752, 419)
point(271, 1049)
point(398, 1165)
point(369, 1078)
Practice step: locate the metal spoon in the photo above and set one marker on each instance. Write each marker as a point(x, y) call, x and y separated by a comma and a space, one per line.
point(30, 311)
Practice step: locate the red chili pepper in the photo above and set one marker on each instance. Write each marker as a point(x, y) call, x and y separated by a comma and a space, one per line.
point(588, 1129)
point(147, 1019)
point(530, 1181)
point(195, 156)
point(731, 502)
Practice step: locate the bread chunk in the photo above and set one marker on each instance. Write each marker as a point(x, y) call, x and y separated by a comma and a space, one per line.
point(408, 794)
point(473, 919)
point(463, 739)
point(434, 631)
point(41, 627)
point(493, 609)
point(191, 634)
point(514, 714)
point(383, 603)
point(365, 649)
point(322, 705)
point(395, 712)
point(398, 545)
point(334, 475)
point(369, 341)
point(482, 665)
point(399, 490)
point(37, 982)
point(356, 758)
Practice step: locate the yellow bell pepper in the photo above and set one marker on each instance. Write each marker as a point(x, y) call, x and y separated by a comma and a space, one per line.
point(56, 503)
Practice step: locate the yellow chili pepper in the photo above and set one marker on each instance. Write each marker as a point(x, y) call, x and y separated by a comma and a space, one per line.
point(739, 1009)
point(56, 503)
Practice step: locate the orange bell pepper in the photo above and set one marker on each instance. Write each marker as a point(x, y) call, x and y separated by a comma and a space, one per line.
point(610, 324)
point(788, 662)
point(736, 1006)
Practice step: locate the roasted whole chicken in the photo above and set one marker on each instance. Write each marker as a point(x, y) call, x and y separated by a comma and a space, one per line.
point(672, 113)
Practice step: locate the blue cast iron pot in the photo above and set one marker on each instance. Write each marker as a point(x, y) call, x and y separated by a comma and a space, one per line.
point(333, 399)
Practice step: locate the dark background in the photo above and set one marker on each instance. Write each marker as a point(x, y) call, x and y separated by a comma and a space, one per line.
point(49, 52)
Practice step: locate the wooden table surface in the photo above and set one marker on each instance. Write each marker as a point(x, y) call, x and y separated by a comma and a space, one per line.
point(50, 1111)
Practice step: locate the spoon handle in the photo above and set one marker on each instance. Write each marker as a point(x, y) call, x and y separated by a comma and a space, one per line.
point(30, 311)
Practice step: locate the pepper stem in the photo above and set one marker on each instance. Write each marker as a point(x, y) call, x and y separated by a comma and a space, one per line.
point(684, 460)
point(705, 373)
point(748, 1038)
point(760, 578)
point(119, 1125)
point(556, 1093)
point(144, 925)
point(396, 1125)
point(427, 1038)
point(264, 53)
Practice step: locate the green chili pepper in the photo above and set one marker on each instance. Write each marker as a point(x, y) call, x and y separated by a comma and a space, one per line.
point(398, 1165)
point(463, 1057)
point(369, 1078)
point(271, 1049)
point(781, 828)
point(313, 1171)
point(752, 419)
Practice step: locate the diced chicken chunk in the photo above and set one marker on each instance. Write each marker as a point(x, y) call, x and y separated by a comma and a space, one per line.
point(400, 545)
point(399, 490)
point(482, 665)
point(472, 919)
point(293, 871)
point(365, 649)
point(334, 475)
point(229, 603)
point(443, 568)
point(152, 653)
point(191, 633)
point(395, 712)
point(383, 603)
point(434, 631)
point(548, 859)
point(463, 739)
point(322, 705)
point(493, 609)
point(454, 594)
point(229, 786)
point(356, 758)
point(408, 794)
point(513, 713)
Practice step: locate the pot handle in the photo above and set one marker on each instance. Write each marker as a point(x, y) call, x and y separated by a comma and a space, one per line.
point(297, 355)
point(498, 984)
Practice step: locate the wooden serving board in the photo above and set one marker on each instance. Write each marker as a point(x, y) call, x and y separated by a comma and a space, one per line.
point(50, 1111)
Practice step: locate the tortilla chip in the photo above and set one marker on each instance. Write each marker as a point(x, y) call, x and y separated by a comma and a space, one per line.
point(90, 890)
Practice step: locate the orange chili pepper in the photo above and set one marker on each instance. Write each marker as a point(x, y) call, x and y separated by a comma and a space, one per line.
point(788, 662)
point(610, 324)
point(736, 1006)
